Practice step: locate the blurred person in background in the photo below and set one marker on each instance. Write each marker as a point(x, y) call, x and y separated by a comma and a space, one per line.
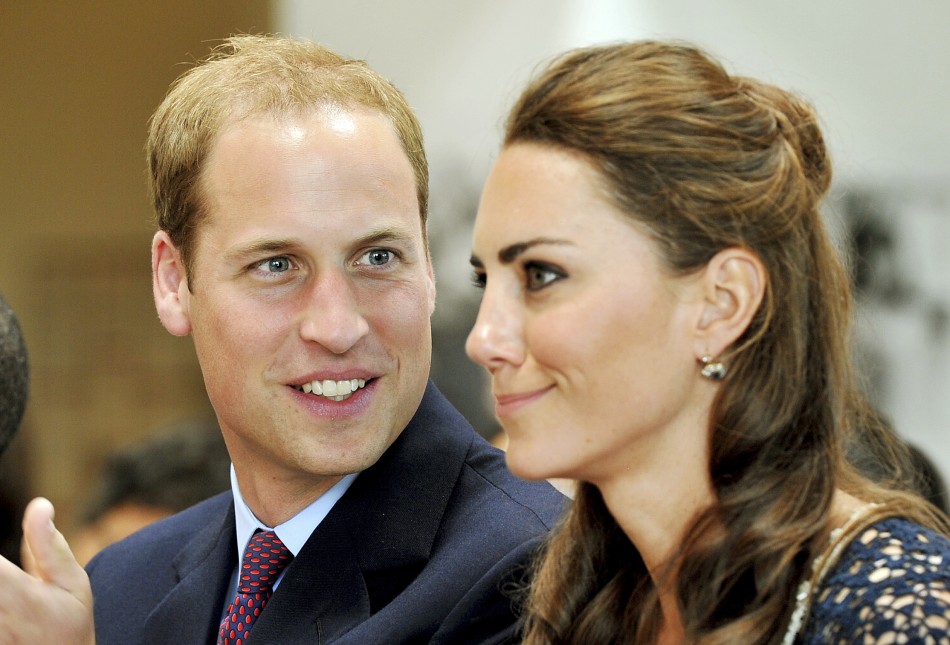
point(178, 467)
point(49, 602)
point(14, 374)
point(14, 391)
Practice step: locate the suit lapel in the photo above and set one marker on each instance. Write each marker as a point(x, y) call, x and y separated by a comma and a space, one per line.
point(397, 505)
point(322, 594)
point(376, 539)
point(191, 612)
point(366, 551)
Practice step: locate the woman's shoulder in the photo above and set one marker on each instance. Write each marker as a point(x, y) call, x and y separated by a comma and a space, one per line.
point(890, 584)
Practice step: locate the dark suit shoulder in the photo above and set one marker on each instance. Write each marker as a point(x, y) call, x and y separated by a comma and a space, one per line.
point(132, 577)
point(517, 495)
point(448, 558)
point(164, 537)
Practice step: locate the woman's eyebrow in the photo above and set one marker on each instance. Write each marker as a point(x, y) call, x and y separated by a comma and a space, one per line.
point(511, 252)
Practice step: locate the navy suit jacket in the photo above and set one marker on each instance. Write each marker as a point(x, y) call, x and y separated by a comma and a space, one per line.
point(421, 549)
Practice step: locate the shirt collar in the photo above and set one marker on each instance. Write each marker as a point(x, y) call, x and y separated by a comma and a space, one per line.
point(295, 532)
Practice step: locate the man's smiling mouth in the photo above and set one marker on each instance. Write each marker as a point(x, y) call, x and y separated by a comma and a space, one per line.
point(333, 390)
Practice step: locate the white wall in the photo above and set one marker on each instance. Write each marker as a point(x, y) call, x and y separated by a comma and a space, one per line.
point(878, 72)
point(876, 69)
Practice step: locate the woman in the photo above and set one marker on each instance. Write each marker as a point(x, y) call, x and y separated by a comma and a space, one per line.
point(665, 321)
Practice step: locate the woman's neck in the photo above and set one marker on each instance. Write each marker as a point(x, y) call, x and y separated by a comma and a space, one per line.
point(660, 490)
point(671, 632)
point(656, 500)
point(654, 507)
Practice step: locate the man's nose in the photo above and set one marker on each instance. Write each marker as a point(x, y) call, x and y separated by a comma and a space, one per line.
point(332, 313)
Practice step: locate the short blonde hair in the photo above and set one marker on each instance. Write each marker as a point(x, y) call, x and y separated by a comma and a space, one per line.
point(251, 75)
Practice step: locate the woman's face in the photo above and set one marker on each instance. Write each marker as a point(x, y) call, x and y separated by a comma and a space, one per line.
point(588, 340)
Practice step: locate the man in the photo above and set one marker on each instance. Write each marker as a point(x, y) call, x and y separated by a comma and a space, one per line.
point(291, 191)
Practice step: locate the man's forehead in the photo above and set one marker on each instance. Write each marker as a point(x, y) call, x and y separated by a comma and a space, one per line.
point(253, 167)
point(334, 115)
point(366, 135)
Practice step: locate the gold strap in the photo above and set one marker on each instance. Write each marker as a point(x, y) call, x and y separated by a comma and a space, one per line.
point(839, 539)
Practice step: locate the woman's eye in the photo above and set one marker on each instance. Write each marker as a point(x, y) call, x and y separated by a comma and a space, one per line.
point(479, 279)
point(538, 276)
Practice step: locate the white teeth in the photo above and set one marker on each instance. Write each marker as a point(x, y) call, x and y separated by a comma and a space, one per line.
point(334, 390)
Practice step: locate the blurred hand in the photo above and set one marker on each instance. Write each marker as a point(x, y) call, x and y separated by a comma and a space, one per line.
point(51, 601)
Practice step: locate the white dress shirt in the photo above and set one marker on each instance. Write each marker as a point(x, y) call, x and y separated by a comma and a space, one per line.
point(294, 533)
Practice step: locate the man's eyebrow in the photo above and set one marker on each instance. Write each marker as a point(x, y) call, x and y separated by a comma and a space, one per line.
point(282, 245)
point(385, 234)
point(258, 247)
point(511, 252)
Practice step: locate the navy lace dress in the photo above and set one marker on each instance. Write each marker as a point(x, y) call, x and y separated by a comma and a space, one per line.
point(890, 584)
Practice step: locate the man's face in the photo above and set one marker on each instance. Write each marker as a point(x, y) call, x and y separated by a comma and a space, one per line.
point(310, 297)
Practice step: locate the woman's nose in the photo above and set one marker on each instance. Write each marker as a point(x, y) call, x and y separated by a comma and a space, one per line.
point(496, 338)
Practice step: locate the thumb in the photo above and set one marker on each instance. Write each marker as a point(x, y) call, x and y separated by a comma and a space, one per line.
point(47, 554)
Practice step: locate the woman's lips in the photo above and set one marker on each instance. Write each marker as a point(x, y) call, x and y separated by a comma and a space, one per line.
point(508, 404)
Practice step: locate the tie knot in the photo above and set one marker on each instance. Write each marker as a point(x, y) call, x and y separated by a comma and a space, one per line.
point(263, 561)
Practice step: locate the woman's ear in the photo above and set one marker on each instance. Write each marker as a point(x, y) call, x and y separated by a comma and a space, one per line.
point(170, 285)
point(733, 285)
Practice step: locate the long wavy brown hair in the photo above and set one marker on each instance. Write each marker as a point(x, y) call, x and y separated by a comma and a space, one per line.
point(706, 161)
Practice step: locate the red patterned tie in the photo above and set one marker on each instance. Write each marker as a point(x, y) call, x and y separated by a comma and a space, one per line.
point(263, 560)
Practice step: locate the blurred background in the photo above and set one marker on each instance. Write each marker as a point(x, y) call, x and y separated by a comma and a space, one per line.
point(80, 79)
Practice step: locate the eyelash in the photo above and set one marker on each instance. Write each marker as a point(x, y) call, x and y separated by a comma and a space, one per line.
point(393, 256)
point(262, 265)
point(540, 267)
point(480, 279)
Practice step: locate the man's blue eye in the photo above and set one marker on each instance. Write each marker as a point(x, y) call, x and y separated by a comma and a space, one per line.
point(378, 257)
point(278, 265)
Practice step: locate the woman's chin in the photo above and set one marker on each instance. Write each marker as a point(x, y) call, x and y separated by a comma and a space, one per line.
point(529, 465)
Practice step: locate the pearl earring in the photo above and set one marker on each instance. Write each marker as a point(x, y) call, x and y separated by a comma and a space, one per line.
point(713, 369)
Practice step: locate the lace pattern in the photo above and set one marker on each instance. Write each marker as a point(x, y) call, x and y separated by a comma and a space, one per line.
point(891, 584)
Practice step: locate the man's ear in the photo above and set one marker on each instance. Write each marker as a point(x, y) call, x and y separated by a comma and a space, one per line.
point(733, 285)
point(170, 285)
